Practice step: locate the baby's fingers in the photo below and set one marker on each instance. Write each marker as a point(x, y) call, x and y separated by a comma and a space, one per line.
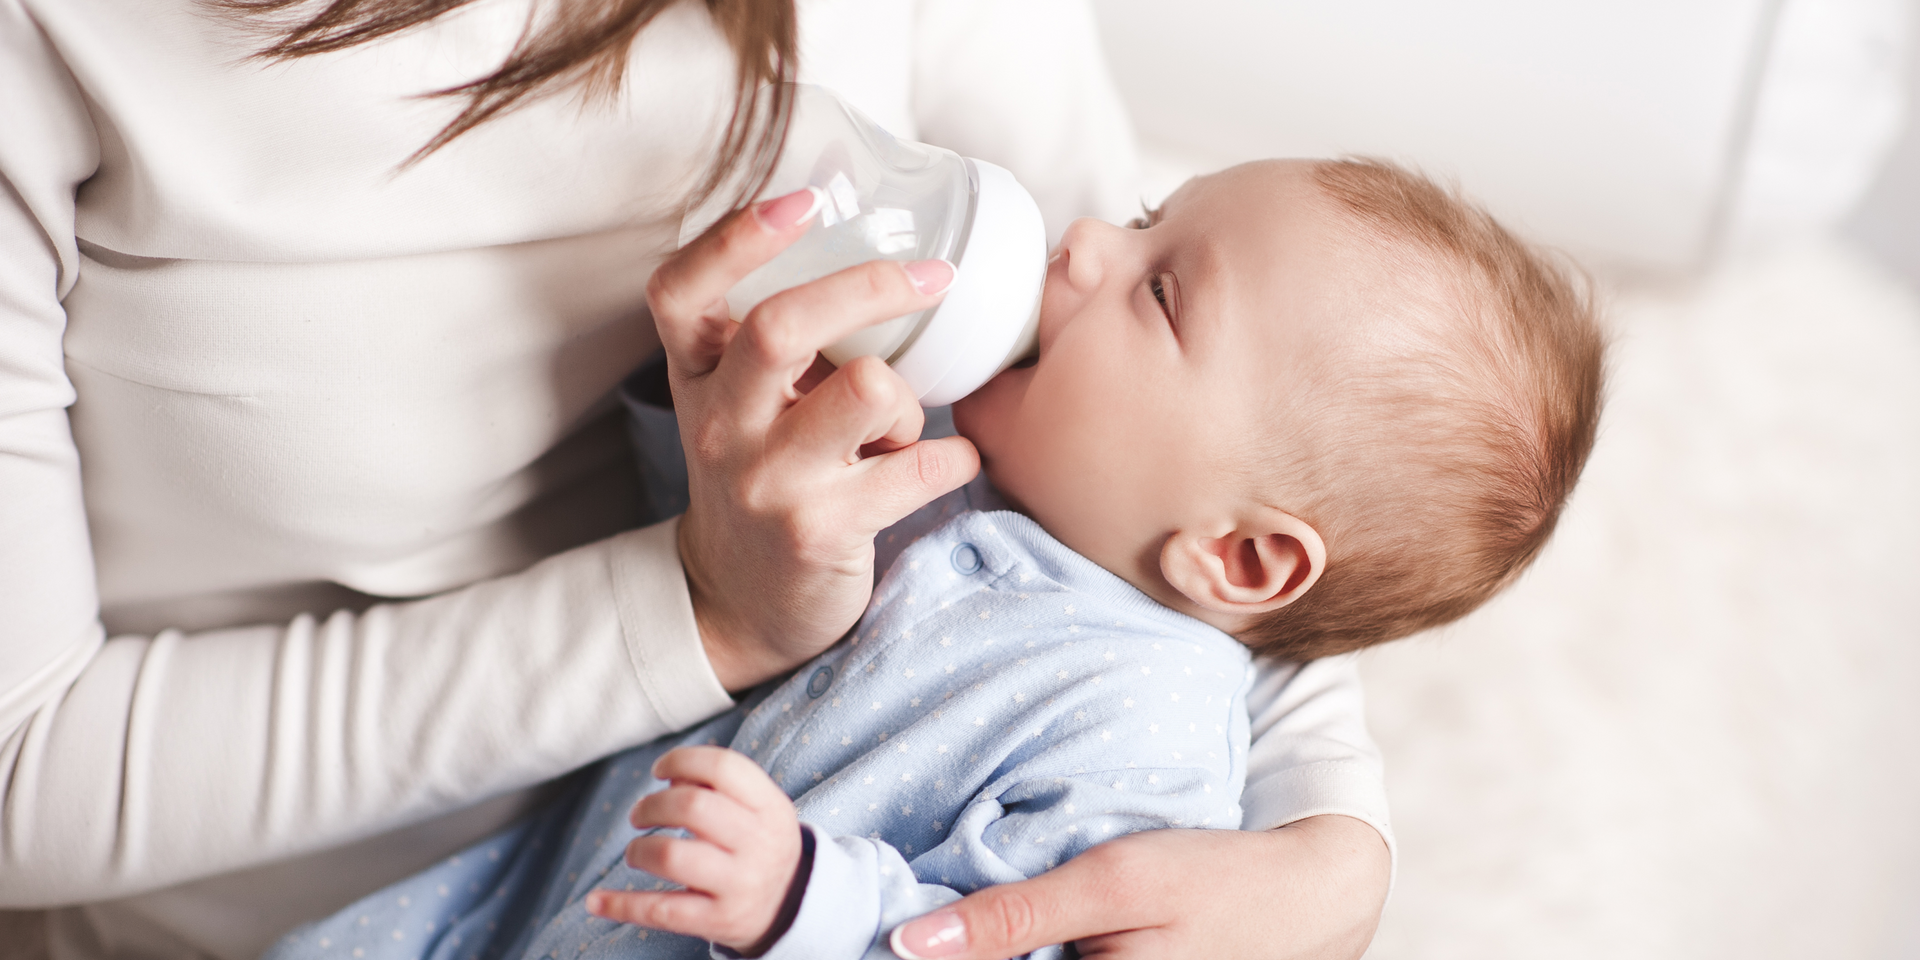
point(695, 864)
point(677, 911)
point(681, 911)
point(724, 770)
point(708, 814)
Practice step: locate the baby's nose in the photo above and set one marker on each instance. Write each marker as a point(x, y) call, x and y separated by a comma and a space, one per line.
point(1084, 250)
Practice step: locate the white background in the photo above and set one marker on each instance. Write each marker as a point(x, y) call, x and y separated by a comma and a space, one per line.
point(1694, 729)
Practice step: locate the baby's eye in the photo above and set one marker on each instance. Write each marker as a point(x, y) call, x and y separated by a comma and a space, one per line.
point(1159, 291)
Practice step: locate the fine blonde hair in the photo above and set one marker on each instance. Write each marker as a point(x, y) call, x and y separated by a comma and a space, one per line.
point(1446, 462)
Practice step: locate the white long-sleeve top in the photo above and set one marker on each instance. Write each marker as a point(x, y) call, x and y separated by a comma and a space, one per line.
point(257, 381)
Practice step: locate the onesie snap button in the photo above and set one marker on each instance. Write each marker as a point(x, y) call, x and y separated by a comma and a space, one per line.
point(966, 558)
point(819, 682)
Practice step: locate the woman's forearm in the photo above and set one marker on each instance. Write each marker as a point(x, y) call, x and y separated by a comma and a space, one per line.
point(177, 756)
point(1335, 896)
point(1311, 890)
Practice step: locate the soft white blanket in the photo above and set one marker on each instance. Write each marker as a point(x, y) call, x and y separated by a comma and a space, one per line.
point(1694, 729)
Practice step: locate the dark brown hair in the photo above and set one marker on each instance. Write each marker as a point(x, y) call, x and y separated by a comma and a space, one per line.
point(1447, 462)
point(582, 45)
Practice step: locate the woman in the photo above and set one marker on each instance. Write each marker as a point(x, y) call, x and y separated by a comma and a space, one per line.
point(328, 343)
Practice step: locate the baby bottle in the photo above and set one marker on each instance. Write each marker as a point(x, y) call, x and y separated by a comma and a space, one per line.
point(888, 199)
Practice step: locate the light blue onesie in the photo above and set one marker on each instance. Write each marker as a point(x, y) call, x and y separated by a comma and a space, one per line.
point(1003, 705)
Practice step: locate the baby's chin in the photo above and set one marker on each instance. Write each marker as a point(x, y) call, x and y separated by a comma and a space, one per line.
point(990, 416)
point(986, 413)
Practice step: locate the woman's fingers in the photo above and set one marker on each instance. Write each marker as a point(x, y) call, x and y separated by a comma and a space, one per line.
point(1311, 890)
point(817, 374)
point(777, 341)
point(777, 540)
point(889, 486)
point(862, 403)
point(687, 294)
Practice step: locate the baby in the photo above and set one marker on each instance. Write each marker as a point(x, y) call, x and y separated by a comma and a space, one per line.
point(1302, 408)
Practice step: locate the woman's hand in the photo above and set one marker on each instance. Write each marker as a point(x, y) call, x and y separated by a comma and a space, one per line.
point(791, 470)
point(1311, 890)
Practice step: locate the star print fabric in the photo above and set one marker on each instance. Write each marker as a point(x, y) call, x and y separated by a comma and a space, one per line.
point(1004, 705)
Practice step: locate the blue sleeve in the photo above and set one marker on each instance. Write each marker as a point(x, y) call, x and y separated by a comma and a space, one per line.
point(861, 888)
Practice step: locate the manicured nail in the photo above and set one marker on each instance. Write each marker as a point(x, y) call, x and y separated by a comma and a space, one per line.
point(791, 210)
point(931, 276)
point(930, 937)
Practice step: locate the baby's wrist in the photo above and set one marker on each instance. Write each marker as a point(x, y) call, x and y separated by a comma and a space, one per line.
point(790, 904)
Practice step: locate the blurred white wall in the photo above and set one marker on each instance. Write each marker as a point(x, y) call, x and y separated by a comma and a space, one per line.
point(1829, 103)
point(1887, 219)
point(1636, 133)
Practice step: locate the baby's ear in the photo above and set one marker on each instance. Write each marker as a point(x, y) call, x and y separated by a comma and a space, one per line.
point(1267, 560)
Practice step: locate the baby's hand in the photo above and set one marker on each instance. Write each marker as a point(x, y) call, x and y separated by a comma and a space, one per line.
point(738, 864)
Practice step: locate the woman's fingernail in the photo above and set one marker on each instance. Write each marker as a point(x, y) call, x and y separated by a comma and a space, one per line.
point(930, 937)
point(791, 210)
point(931, 276)
point(597, 903)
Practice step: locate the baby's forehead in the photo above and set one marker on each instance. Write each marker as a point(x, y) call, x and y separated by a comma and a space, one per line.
point(1303, 282)
point(1291, 202)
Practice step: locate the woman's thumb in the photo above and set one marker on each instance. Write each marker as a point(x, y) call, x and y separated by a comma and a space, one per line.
point(900, 482)
point(1000, 923)
point(1004, 921)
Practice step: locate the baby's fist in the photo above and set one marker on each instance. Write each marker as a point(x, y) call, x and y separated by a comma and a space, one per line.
point(738, 864)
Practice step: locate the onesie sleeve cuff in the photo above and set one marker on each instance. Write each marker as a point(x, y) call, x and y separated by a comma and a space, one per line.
point(656, 617)
point(840, 914)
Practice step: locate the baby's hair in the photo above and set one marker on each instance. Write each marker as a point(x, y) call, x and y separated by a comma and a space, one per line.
point(1440, 472)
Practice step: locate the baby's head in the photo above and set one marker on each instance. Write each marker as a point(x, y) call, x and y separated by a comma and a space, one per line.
point(1317, 404)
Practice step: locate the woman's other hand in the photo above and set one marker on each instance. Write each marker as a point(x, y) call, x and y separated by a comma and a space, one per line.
point(791, 470)
point(1311, 890)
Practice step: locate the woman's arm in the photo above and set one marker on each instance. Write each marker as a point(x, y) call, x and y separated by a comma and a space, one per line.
point(139, 761)
point(1311, 888)
point(174, 756)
